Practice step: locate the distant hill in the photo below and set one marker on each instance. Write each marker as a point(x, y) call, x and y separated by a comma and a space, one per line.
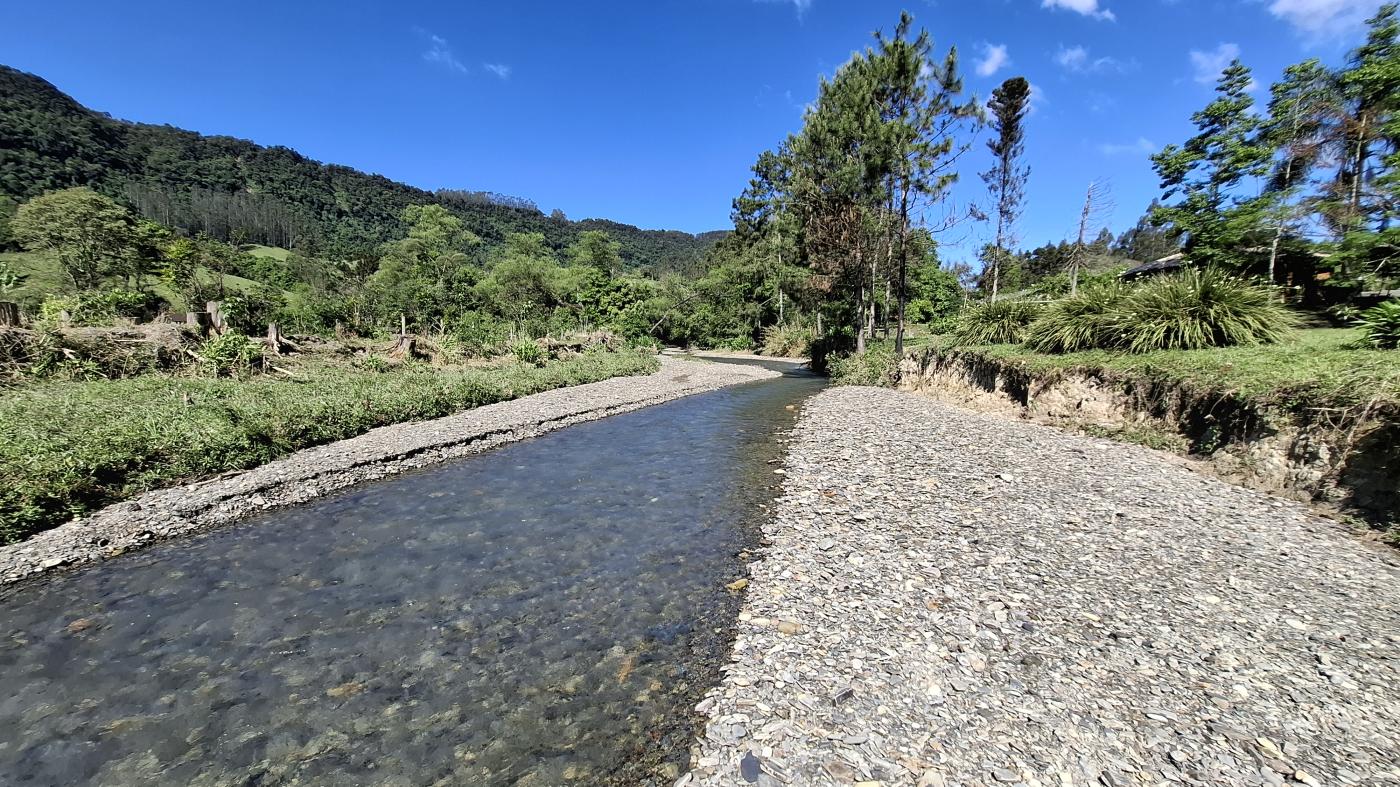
point(229, 187)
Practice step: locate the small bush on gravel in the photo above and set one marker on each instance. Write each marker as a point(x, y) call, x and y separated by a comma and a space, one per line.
point(1199, 308)
point(996, 322)
point(1078, 322)
point(876, 366)
point(71, 447)
point(1381, 326)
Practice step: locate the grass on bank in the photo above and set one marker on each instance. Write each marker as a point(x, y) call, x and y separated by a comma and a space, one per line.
point(1315, 367)
point(1319, 367)
point(72, 447)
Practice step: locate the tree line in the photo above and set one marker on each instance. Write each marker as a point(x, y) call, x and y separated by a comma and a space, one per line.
point(220, 186)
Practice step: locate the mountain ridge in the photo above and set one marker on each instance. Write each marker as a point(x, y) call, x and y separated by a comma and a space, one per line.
point(224, 186)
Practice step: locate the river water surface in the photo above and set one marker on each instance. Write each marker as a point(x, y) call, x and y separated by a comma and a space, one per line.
point(543, 614)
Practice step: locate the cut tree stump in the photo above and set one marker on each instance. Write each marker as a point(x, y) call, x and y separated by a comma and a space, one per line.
point(199, 321)
point(276, 343)
point(218, 323)
point(9, 314)
point(405, 346)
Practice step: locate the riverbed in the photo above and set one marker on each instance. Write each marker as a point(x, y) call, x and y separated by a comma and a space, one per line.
point(545, 613)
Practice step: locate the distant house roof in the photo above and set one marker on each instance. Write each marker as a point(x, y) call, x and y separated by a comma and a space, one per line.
point(1168, 263)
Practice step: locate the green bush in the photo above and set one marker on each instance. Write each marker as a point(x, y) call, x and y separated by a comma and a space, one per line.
point(104, 307)
point(1199, 308)
point(1082, 321)
point(793, 340)
point(996, 322)
point(1380, 325)
point(230, 355)
point(877, 366)
point(527, 352)
point(75, 446)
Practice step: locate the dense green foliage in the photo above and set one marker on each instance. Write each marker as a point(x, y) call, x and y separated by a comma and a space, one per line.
point(234, 190)
point(1380, 325)
point(878, 366)
point(1251, 191)
point(74, 446)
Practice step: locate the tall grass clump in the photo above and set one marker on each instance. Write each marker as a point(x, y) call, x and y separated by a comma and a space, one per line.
point(996, 322)
point(1199, 308)
point(1083, 321)
point(1380, 326)
point(793, 340)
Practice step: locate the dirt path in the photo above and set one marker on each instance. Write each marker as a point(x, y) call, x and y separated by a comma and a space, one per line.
point(956, 599)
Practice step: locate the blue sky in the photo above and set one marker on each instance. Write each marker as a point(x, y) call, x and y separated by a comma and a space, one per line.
point(651, 111)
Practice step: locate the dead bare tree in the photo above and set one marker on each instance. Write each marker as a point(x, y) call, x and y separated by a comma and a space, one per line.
point(1097, 204)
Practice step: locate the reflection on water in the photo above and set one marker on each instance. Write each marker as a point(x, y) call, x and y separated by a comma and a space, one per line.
point(543, 614)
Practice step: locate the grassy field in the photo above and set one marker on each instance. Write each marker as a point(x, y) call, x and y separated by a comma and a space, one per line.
point(1316, 367)
point(43, 276)
point(71, 447)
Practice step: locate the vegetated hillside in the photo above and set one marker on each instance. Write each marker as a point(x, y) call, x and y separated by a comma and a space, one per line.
point(233, 188)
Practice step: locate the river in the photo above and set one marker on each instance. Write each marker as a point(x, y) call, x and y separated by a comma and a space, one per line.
point(545, 613)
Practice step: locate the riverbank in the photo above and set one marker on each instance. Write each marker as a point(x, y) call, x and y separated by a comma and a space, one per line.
point(167, 513)
point(957, 599)
point(1314, 418)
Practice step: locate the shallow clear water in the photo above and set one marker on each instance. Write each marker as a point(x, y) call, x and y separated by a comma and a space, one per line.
point(545, 613)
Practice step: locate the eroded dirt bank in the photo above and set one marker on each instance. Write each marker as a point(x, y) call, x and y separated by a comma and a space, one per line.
point(1348, 458)
point(305, 475)
point(953, 598)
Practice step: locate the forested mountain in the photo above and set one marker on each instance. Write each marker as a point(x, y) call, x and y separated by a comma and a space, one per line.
point(232, 188)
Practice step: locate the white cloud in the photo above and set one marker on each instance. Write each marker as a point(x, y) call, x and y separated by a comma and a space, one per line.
point(439, 52)
point(1077, 59)
point(1089, 8)
point(1324, 18)
point(802, 6)
point(994, 58)
point(1142, 146)
point(1209, 65)
point(499, 69)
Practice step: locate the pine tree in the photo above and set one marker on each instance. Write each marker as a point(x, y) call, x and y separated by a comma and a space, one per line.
point(1006, 180)
point(1205, 171)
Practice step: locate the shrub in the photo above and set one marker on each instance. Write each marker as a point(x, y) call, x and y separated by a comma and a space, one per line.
point(1199, 308)
point(527, 352)
point(787, 341)
point(1082, 321)
point(876, 366)
point(828, 348)
point(103, 307)
point(996, 322)
point(1380, 325)
point(230, 355)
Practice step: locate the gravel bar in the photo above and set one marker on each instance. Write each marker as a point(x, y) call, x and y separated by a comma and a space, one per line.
point(957, 599)
point(311, 473)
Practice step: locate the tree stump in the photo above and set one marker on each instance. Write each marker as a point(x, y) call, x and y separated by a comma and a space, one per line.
point(218, 321)
point(199, 321)
point(405, 346)
point(9, 314)
point(276, 343)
